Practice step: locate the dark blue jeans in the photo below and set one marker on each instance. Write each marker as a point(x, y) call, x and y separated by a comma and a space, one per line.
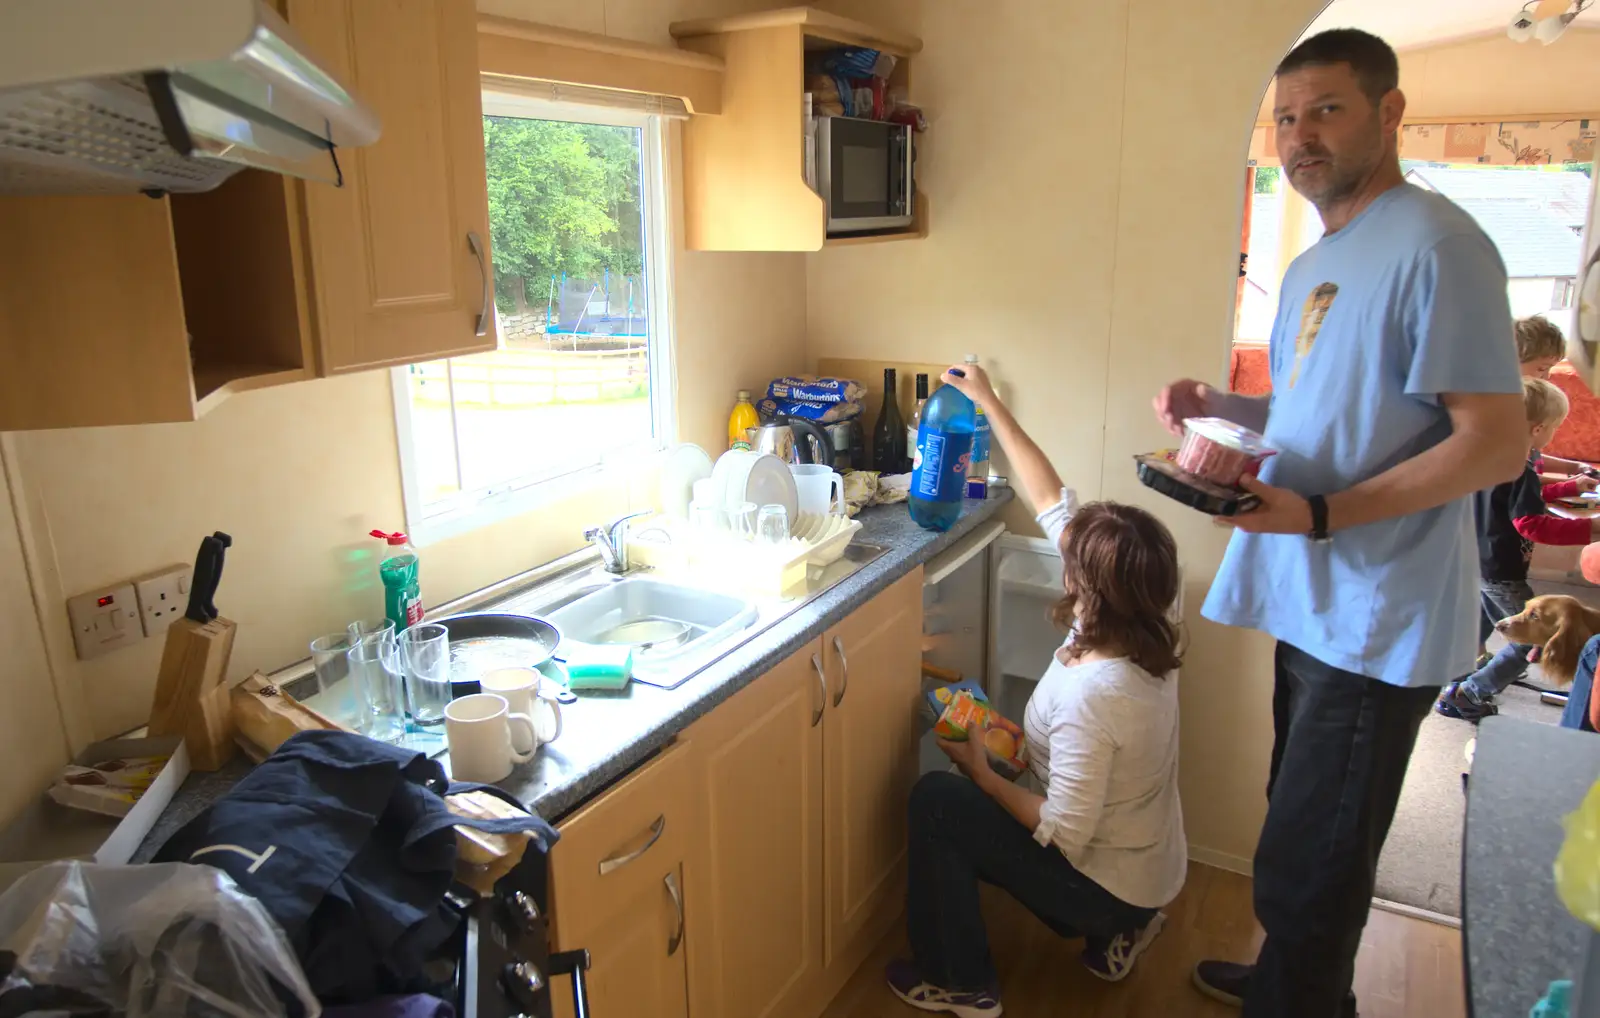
point(1576, 713)
point(1341, 742)
point(960, 836)
point(1501, 599)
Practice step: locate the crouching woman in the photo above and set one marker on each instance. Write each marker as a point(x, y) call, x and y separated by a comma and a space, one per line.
point(1101, 850)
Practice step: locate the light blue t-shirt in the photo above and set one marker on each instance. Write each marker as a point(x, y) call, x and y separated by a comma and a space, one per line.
point(1375, 321)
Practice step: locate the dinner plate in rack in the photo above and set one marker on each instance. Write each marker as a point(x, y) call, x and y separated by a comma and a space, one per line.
point(765, 480)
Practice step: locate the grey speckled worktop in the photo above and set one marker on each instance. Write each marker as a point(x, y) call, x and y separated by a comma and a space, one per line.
point(1525, 778)
point(606, 735)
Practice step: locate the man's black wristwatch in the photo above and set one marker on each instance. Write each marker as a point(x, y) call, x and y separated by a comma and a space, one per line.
point(1319, 520)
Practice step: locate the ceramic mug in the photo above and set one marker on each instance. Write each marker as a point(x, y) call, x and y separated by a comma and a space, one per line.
point(477, 729)
point(820, 488)
point(526, 691)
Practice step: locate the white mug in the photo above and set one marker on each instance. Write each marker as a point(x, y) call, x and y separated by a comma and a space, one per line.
point(820, 488)
point(478, 731)
point(526, 692)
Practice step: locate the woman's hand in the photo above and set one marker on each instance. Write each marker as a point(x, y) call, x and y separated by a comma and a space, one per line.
point(975, 385)
point(970, 755)
point(1585, 482)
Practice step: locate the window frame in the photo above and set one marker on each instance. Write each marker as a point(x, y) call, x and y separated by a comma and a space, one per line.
point(467, 510)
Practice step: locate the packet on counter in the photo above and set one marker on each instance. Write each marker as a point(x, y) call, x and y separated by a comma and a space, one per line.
point(965, 708)
point(110, 787)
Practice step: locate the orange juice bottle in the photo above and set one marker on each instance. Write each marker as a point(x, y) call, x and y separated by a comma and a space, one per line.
point(741, 420)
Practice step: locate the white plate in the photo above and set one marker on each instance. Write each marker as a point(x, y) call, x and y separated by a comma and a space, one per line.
point(722, 474)
point(764, 480)
point(684, 465)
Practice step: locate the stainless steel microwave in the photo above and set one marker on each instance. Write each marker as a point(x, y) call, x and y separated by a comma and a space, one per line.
point(864, 174)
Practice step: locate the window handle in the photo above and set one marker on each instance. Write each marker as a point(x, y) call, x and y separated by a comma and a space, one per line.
point(484, 303)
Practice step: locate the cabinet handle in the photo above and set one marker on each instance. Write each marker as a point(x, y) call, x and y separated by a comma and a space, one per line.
point(677, 903)
point(616, 862)
point(844, 671)
point(816, 662)
point(484, 306)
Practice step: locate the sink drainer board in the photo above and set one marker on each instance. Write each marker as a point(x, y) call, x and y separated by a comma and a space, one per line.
point(665, 622)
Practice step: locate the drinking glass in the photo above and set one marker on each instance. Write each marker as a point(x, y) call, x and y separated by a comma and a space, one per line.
point(706, 516)
point(375, 630)
point(772, 525)
point(338, 695)
point(742, 519)
point(425, 649)
point(376, 669)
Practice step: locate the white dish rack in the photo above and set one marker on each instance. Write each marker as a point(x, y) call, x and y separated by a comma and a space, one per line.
point(720, 556)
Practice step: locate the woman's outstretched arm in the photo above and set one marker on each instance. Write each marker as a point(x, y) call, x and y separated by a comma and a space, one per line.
point(1033, 476)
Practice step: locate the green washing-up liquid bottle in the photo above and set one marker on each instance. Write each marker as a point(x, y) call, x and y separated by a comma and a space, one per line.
point(402, 593)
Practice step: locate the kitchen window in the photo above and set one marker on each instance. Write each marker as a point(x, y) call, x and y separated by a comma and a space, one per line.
point(580, 382)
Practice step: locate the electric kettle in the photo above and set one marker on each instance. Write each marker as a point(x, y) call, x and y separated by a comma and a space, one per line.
point(792, 440)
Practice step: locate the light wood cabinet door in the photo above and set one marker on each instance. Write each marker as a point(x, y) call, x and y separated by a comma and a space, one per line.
point(400, 252)
point(755, 919)
point(874, 667)
point(637, 955)
point(617, 889)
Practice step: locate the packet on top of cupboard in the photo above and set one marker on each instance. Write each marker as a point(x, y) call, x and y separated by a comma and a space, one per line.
point(964, 710)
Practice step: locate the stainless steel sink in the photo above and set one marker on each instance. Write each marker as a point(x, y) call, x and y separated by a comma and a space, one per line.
point(588, 606)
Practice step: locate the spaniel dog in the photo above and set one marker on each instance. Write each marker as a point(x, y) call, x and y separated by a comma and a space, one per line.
point(1556, 627)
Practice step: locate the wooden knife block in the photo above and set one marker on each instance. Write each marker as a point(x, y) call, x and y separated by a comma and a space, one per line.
point(191, 700)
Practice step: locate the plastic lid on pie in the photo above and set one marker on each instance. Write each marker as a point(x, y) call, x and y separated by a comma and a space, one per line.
point(1229, 434)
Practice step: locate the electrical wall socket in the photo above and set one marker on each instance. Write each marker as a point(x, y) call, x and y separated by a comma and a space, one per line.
point(104, 620)
point(163, 596)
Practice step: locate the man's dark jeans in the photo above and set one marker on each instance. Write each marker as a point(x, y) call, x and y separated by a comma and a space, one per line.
point(1576, 714)
point(1340, 748)
point(960, 836)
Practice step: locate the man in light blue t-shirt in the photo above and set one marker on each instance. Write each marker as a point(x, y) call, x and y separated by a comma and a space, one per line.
point(1395, 396)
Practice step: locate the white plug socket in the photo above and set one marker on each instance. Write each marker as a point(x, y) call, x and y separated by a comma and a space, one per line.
point(104, 620)
point(163, 596)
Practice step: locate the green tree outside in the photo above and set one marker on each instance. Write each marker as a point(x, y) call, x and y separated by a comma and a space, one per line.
point(563, 197)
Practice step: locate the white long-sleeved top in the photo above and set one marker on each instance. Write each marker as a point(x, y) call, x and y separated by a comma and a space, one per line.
point(1103, 751)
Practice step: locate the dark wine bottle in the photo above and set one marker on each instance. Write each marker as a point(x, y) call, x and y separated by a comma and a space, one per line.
point(889, 434)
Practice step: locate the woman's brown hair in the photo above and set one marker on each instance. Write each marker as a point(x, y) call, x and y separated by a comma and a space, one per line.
point(1121, 582)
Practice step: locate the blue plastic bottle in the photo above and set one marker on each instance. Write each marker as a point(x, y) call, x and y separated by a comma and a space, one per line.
point(939, 467)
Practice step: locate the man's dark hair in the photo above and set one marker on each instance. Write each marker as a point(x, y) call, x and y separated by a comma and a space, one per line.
point(1370, 58)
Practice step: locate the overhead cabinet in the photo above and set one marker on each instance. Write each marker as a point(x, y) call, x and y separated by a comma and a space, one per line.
point(133, 310)
point(744, 185)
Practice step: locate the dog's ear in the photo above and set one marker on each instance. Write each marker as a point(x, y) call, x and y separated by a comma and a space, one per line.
point(1560, 658)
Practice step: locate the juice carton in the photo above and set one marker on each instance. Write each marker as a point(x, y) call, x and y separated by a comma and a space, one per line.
point(965, 710)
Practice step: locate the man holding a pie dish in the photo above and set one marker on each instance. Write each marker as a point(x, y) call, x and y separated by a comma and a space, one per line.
point(1396, 395)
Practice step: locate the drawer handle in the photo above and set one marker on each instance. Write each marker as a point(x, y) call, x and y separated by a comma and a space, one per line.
point(844, 671)
point(677, 903)
point(816, 662)
point(616, 862)
point(476, 244)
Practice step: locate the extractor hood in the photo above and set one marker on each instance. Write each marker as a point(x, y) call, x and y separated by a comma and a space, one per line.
point(119, 96)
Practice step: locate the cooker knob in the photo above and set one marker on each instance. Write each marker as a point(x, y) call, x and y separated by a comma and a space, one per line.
point(525, 975)
point(525, 906)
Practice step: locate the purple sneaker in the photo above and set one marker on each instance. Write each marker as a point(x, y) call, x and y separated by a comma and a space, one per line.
point(908, 984)
point(1113, 959)
point(1456, 702)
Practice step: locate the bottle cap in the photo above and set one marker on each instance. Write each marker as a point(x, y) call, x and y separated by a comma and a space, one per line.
point(395, 538)
point(971, 358)
point(744, 394)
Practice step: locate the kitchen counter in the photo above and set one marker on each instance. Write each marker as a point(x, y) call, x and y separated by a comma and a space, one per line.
point(1518, 936)
point(605, 735)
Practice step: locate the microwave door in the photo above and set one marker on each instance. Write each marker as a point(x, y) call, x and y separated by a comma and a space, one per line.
point(867, 167)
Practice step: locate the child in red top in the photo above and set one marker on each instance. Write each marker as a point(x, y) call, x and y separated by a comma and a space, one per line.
point(1540, 347)
point(1512, 518)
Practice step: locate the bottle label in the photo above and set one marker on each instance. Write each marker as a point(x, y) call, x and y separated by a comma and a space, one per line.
point(740, 446)
point(940, 473)
point(980, 440)
point(413, 605)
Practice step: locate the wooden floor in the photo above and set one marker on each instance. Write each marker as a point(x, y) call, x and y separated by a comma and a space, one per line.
point(1408, 968)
